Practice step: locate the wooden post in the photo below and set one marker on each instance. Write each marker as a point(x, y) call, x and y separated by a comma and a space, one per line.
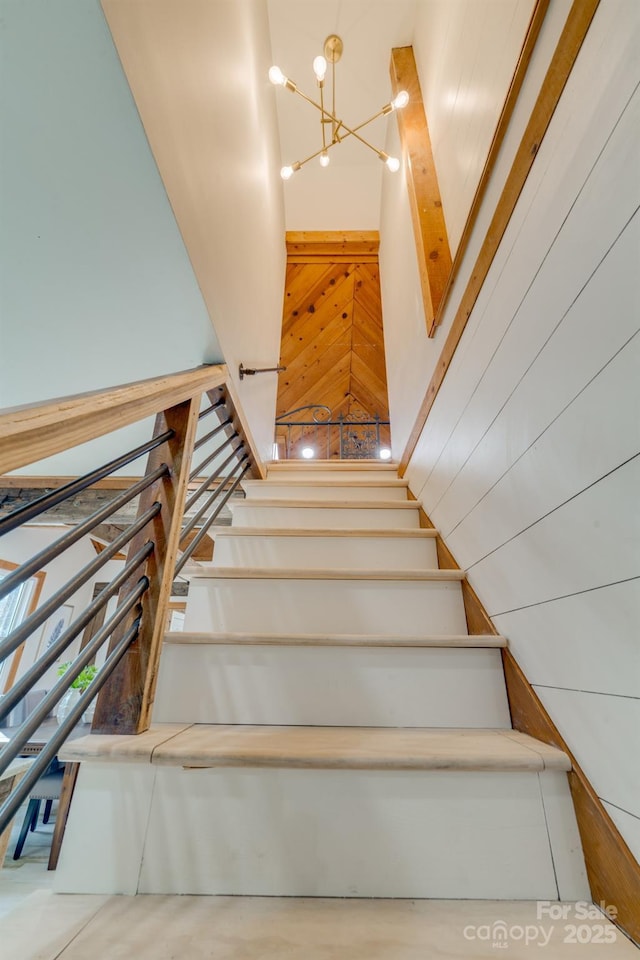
point(430, 231)
point(64, 803)
point(124, 704)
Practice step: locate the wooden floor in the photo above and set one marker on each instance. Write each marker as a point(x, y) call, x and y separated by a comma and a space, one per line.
point(55, 927)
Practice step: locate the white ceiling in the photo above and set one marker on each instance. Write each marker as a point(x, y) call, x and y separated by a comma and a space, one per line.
point(346, 194)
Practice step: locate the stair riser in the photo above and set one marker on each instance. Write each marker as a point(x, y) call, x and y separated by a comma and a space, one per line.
point(278, 490)
point(390, 608)
point(332, 833)
point(315, 553)
point(250, 513)
point(364, 687)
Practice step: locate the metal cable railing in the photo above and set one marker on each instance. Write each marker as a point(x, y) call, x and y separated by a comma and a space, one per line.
point(162, 495)
point(244, 465)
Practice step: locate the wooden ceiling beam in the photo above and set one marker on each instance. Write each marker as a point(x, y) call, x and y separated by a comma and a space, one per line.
point(356, 244)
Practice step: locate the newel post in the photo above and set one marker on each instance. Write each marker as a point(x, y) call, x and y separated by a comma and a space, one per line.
point(124, 704)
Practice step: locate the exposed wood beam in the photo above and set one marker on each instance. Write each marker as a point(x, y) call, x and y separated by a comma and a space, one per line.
point(564, 57)
point(23, 481)
point(203, 551)
point(82, 505)
point(429, 228)
point(340, 246)
point(104, 534)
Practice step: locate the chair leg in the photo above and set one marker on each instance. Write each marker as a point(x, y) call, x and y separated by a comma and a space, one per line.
point(47, 811)
point(34, 806)
point(34, 819)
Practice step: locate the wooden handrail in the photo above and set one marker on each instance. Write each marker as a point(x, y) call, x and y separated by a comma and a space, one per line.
point(34, 431)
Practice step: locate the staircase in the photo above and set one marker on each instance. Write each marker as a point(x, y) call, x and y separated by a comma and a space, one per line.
point(325, 726)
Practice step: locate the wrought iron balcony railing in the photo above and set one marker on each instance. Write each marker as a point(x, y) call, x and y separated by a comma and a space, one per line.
point(311, 432)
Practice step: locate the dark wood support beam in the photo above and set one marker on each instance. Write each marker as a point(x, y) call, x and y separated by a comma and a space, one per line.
point(432, 244)
point(66, 795)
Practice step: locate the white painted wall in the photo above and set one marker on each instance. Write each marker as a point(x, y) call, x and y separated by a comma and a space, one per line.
point(96, 284)
point(466, 52)
point(411, 356)
point(529, 460)
point(198, 73)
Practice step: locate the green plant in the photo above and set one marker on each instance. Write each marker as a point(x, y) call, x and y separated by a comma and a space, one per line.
point(83, 679)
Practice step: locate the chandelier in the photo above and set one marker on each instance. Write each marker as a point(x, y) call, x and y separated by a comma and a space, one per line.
point(338, 130)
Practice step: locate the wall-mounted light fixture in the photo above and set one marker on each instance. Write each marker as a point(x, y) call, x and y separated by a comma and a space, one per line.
point(333, 48)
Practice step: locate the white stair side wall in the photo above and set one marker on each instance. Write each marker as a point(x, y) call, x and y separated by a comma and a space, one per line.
point(344, 833)
point(250, 513)
point(331, 686)
point(393, 608)
point(297, 490)
point(313, 553)
point(105, 833)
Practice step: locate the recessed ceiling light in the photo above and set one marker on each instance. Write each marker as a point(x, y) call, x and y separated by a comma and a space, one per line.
point(308, 453)
point(384, 453)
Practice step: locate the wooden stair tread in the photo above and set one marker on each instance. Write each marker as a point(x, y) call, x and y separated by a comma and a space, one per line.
point(120, 748)
point(329, 504)
point(462, 641)
point(353, 483)
point(210, 571)
point(354, 748)
point(342, 465)
point(400, 533)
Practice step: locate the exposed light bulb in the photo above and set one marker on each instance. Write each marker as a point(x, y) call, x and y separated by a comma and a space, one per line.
point(286, 173)
point(277, 77)
point(320, 68)
point(308, 453)
point(324, 159)
point(400, 100)
point(384, 453)
point(393, 164)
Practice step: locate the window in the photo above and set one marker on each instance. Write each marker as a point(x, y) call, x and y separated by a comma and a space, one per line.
point(14, 608)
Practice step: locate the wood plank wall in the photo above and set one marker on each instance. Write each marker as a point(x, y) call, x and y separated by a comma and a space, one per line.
point(332, 340)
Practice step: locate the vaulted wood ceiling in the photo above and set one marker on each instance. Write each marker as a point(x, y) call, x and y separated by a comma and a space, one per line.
point(332, 339)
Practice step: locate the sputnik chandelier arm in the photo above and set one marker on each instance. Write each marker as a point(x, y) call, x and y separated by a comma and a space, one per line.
point(339, 130)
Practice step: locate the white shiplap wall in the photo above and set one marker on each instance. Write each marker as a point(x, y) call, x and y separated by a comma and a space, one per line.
point(412, 357)
point(529, 462)
point(466, 53)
